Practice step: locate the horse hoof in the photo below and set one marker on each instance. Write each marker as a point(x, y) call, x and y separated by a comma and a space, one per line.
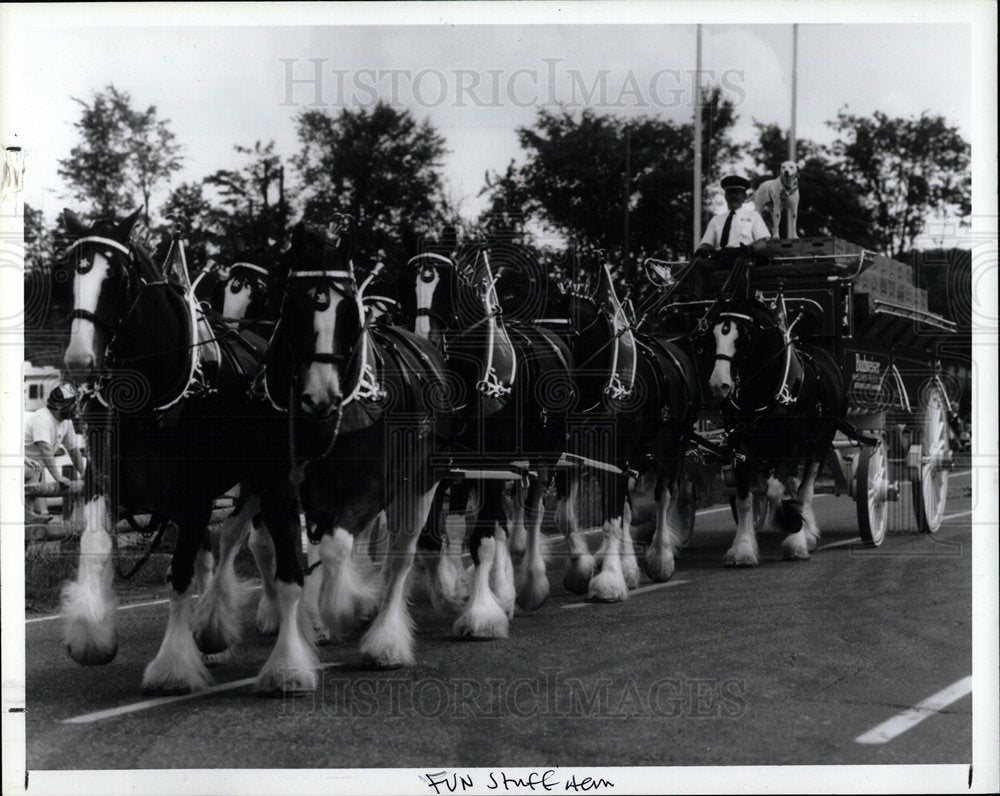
point(91, 655)
point(660, 569)
point(212, 659)
point(381, 663)
point(210, 643)
point(740, 560)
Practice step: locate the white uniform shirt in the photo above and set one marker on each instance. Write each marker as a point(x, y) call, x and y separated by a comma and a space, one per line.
point(746, 228)
point(41, 426)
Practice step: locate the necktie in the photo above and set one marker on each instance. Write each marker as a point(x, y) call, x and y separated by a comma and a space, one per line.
point(726, 227)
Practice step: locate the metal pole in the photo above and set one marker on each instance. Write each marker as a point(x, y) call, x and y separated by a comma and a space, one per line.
point(795, 81)
point(697, 144)
point(628, 192)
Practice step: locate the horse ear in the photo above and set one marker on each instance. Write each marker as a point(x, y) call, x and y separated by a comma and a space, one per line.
point(125, 227)
point(73, 222)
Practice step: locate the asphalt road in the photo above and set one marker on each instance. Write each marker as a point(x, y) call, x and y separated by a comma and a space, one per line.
point(786, 663)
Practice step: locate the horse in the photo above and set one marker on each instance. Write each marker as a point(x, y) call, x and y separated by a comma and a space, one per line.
point(638, 405)
point(166, 419)
point(365, 419)
point(512, 382)
point(782, 402)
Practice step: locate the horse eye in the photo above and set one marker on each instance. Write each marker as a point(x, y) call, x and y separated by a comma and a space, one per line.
point(236, 285)
point(427, 275)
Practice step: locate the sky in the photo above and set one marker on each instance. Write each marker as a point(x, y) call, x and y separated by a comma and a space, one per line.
point(221, 81)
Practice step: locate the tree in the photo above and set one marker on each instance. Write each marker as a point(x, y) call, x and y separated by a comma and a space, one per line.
point(907, 169)
point(378, 165)
point(575, 175)
point(189, 210)
point(124, 155)
point(830, 202)
point(510, 203)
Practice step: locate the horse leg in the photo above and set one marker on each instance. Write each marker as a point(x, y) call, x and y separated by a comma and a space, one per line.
point(518, 530)
point(293, 663)
point(483, 617)
point(744, 551)
point(660, 559)
point(580, 563)
point(262, 547)
point(796, 546)
point(178, 666)
point(532, 582)
point(502, 571)
point(388, 643)
point(88, 604)
point(609, 586)
point(349, 595)
point(311, 594)
point(435, 560)
point(217, 615)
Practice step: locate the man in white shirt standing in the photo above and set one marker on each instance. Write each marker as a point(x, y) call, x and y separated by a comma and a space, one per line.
point(45, 430)
point(740, 225)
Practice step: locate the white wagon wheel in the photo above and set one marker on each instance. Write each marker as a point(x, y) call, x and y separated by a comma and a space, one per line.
point(928, 461)
point(872, 493)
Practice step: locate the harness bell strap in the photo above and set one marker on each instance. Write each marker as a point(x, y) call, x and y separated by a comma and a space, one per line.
point(251, 266)
point(431, 256)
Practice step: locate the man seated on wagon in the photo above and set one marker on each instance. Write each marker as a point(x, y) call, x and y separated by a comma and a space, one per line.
point(740, 225)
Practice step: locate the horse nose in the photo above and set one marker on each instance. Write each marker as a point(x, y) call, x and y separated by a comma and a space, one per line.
point(318, 407)
point(78, 362)
point(722, 389)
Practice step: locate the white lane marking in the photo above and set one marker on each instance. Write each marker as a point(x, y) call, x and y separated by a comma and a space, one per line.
point(135, 707)
point(909, 719)
point(841, 543)
point(956, 515)
point(640, 590)
point(128, 607)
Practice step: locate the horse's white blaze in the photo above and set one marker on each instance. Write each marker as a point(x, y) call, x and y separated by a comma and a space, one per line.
point(322, 382)
point(425, 296)
point(88, 603)
point(235, 305)
point(349, 592)
point(721, 380)
point(293, 663)
point(178, 665)
point(81, 352)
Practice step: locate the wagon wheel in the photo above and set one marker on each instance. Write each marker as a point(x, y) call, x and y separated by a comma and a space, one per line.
point(929, 462)
point(687, 503)
point(871, 494)
point(761, 510)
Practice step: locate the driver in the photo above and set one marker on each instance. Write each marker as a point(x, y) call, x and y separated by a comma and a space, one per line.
point(740, 225)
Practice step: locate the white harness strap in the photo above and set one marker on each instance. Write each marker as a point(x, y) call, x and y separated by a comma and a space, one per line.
point(102, 241)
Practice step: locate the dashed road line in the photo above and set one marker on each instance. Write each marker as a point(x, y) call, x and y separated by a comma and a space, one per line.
point(909, 719)
point(632, 593)
point(135, 707)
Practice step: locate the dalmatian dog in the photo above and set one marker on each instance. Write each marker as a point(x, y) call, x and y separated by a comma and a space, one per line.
point(781, 196)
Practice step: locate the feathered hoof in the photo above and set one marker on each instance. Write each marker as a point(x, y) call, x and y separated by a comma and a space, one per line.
point(387, 657)
point(211, 640)
point(579, 573)
point(789, 519)
point(534, 591)
point(659, 565)
point(483, 626)
point(92, 653)
point(321, 636)
point(268, 620)
point(794, 548)
point(741, 557)
point(630, 571)
point(286, 681)
point(175, 674)
point(608, 587)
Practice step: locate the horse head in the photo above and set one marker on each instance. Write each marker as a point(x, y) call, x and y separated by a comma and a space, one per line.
point(322, 322)
point(244, 294)
point(105, 278)
point(755, 362)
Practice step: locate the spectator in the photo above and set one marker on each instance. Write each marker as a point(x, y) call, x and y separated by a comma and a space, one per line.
point(45, 430)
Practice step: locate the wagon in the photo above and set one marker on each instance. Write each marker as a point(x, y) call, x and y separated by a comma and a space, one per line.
point(864, 309)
